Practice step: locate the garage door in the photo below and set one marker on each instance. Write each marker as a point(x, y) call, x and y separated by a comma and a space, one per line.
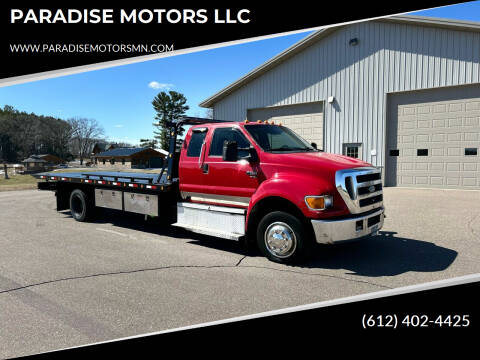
point(305, 119)
point(433, 138)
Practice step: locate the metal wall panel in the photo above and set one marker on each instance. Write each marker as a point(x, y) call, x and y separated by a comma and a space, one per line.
point(305, 119)
point(389, 57)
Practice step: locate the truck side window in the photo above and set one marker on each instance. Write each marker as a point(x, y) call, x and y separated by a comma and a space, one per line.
point(195, 144)
point(230, 134)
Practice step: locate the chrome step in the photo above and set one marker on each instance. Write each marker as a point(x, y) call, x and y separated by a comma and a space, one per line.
point(211, 232)
point(219, 221)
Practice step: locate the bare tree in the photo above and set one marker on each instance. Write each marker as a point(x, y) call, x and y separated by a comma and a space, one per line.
point(84, 133)
point(123, 144)
point(209, 113)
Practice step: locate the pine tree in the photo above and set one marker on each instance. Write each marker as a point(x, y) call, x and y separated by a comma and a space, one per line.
point(169, 107)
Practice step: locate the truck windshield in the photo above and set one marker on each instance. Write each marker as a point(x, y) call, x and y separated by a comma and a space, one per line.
point(278, 138)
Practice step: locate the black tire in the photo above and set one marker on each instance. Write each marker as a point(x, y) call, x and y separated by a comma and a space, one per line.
point(80, 208)
point(286, 226)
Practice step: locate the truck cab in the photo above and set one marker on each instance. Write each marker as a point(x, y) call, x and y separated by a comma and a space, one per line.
point(262, 182)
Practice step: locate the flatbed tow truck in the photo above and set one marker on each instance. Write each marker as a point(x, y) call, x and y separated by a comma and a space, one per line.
point(255, 182)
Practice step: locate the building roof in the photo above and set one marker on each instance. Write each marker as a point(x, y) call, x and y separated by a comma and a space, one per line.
point(34, 160)
point(100, 146)
point(123, 152)
point(40, 158)
point(320, 34)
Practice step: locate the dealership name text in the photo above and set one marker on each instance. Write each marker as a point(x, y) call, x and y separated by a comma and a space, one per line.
point(144, 16)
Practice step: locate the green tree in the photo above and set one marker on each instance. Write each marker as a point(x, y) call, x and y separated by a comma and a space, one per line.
point(23, 134)
point(169, 107)
point(149, 143)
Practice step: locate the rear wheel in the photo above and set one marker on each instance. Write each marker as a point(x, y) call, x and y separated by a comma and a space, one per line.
point(80, 208)
point(281, 237)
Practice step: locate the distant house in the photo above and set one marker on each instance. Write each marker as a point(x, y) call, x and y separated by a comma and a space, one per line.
point(43, 162)
point(51, 159)
point(33, 164)
point(133, 158)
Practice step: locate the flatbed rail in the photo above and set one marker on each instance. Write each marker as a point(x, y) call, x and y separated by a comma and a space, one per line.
point(110, 179)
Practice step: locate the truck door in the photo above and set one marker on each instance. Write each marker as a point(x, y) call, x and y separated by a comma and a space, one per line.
point(190, 172)
point(228, 183)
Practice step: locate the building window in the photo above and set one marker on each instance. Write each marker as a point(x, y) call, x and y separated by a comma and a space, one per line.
point(471, 151)
point(422, 152)
point(395, 152)
point(352, 150)
point(123, 161)
point(103, 161)
point(112, 161)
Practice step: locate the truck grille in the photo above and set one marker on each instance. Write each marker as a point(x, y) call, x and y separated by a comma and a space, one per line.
point(360, 188)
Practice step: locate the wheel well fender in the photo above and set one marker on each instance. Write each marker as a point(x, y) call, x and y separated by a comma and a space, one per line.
point(267, 205)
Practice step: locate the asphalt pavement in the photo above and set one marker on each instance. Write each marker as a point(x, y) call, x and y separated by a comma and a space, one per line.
point(64, 283)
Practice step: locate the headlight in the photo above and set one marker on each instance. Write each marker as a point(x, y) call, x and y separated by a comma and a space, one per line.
point(319, 202)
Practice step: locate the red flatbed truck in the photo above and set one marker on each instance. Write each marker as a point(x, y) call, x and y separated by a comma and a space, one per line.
point(255, 182)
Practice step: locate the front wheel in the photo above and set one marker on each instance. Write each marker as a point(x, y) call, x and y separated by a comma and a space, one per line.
point(282, 238)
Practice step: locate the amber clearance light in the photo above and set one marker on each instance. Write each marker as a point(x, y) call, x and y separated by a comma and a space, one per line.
point(319, 202)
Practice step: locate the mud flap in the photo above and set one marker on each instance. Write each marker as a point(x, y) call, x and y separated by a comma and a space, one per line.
point(63, 200)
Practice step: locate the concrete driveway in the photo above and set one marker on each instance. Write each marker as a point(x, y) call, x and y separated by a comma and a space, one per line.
point(64, 283)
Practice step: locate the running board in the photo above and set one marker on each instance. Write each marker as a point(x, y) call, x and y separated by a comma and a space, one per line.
point(211, 232)
point(211, 220)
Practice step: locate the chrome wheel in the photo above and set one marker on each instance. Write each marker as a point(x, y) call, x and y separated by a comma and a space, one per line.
point(280, 240)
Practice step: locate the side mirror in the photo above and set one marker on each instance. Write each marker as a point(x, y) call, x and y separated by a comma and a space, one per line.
point(230, 151)
point(314, 145)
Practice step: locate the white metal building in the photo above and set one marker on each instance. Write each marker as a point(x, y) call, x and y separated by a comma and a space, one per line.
point(402, 93)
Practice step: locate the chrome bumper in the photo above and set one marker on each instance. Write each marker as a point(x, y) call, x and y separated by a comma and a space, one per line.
point(335, 231)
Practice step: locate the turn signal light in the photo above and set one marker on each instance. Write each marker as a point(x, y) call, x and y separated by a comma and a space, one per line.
point(319, 202)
